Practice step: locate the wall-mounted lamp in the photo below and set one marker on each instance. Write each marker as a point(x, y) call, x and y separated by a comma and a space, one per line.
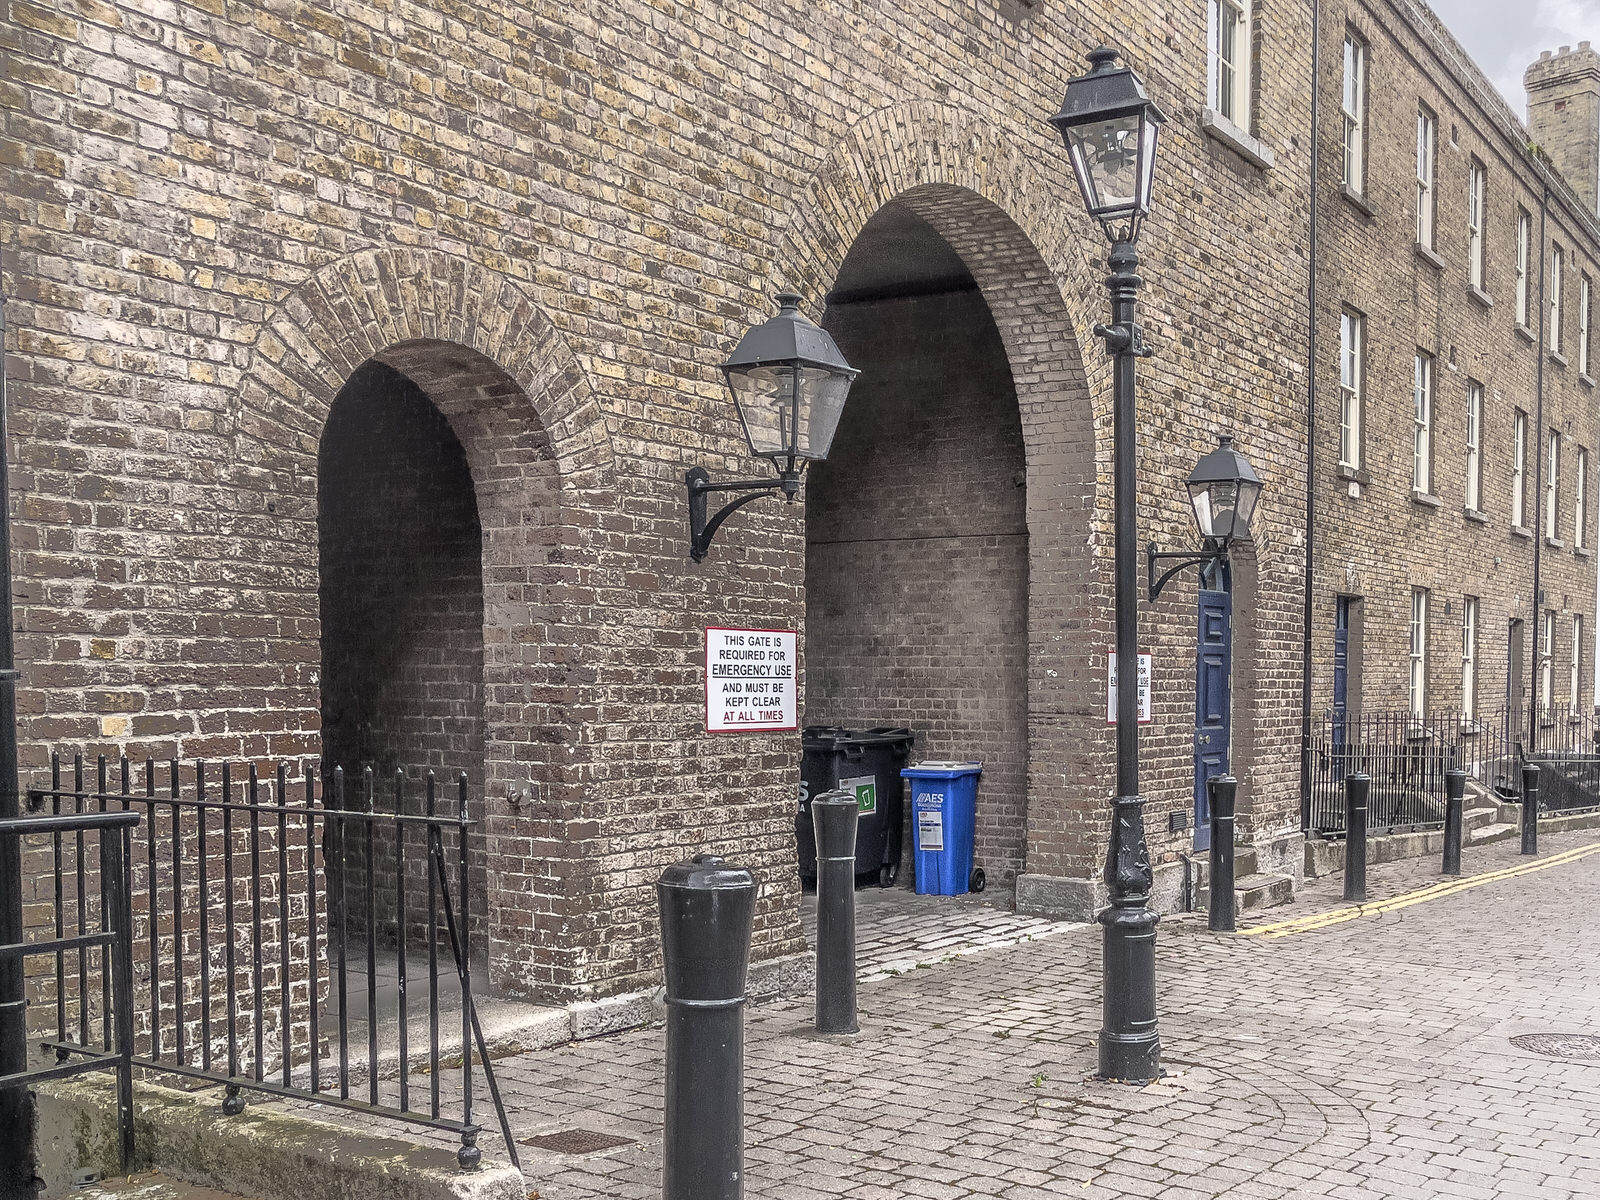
point(789, 383)
point(1223, 490)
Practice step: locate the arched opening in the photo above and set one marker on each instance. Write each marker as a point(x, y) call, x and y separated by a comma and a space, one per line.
point(402, 605)
point(917, 558)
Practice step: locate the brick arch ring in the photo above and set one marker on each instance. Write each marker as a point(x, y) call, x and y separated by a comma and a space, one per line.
point(470, 337)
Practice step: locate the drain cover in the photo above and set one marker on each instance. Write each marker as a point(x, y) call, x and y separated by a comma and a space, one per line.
point(1559, 1045)
point(576, 1141)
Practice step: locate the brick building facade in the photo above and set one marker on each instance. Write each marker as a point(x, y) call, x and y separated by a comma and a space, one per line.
point(303, 306)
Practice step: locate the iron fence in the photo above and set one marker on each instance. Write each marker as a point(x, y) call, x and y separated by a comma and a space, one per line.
point(265, 958)
point(1407, 756)
point(105, 945)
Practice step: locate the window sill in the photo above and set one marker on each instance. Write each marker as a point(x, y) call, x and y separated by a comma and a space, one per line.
point(1521, 531)
point(1355, 475)
point(1426, 499)
point(1469, 728)
point(1583, 378)
point(1481, 296)
point(1558, 358)
point(1427, 255)
point(1581, 551)
point(1357, 201)
point(1555, 543)
point(1525, 333)
point(1230, 135)
point(1478, 515)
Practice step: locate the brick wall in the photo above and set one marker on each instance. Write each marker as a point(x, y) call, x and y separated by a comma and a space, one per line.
point(917, 552)
point(555, 219)
point(1377, 540)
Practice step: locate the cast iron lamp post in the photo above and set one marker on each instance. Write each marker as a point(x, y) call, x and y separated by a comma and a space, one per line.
point(1223, 488)
point(789, 383)
point(1110, 126)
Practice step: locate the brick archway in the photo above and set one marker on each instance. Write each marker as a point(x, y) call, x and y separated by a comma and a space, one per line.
point(988, 192)
point(542, 470)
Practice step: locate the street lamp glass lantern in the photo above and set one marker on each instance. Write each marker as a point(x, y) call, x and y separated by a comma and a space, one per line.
point(789, 383)
point(1111, 126)
point(1224, 489)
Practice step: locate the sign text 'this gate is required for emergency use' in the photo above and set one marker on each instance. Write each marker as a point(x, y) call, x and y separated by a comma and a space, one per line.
point(750, 681)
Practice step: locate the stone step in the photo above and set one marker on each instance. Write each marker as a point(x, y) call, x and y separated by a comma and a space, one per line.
point(1245, 862)
point(1497, 832)
point(149, 1186)
point(1474, 818)
point(1253, 892)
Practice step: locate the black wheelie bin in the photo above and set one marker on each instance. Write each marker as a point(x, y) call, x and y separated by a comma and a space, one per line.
point(868, 764)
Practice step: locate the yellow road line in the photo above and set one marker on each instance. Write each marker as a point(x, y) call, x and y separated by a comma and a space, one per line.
point(1433, 892)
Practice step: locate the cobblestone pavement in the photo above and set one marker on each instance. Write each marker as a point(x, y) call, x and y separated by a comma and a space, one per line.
point(1364, 1060)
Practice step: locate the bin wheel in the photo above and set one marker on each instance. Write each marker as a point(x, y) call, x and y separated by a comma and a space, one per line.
point(886, 875)
point(976, 881)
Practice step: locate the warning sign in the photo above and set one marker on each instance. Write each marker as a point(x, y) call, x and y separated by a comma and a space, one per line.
point(1145, 714)
point(750, 680)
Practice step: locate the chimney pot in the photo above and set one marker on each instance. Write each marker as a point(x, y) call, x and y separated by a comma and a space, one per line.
point(1543, 54)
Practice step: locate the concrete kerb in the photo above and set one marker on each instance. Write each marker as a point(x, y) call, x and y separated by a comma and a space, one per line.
point(263, 1153)
point(1324, 858)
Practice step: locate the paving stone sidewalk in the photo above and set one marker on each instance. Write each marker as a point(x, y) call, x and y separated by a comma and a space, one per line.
point(1364, 1061)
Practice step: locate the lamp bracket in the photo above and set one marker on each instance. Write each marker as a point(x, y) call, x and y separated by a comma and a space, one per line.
point(699, 484)
point(1214, 552)
point(1125, 338)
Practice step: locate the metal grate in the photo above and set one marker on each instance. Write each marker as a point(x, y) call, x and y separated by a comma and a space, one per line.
point(576, 1141)
point(1559, 1045)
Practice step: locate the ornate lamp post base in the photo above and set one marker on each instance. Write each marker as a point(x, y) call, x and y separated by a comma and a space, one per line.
point(1130, 1044)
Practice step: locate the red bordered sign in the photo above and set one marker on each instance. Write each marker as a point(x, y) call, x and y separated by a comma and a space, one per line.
point(750, 681)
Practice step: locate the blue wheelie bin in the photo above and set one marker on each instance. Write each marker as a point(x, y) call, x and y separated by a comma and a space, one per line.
point(944, 808)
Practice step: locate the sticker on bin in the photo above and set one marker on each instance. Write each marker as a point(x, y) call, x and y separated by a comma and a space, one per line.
point(930, 821)
point(865, 790)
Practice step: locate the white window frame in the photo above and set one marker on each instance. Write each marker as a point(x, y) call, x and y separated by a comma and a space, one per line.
point(1557, 263)
point(1575, 674)
point(1524, 232)
point(1473, 483)
point(1469, 658)
point(1417, 687)
point(1228, 59)
point(1427, 152)
point(1352, 348)
point(1519, 469)
point(1580, 500)
point(1355, 109)
point(1422, 426)
point(1475, 194)
point(1583, 324)
point(1552, 489)
point(1547, 661)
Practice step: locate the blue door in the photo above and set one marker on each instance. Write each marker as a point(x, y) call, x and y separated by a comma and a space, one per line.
point(1341, 679)
point(1212, 706)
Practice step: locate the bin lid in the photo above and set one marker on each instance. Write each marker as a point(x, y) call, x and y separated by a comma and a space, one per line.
point(884, 735)
point(941, 770)
point(824, 736)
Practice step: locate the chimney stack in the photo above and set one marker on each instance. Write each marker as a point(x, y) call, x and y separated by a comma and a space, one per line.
point(1564, 115)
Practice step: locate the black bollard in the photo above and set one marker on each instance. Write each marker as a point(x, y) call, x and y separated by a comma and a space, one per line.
point(707, 908)
point(1455, 787)
point(1357, 788)
point(834, 817)
point(1530, 809)
point(1222, 790)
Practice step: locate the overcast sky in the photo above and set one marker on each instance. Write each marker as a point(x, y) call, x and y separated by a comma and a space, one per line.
point(1504, 36)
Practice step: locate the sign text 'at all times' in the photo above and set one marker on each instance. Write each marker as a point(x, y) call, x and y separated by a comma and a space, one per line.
point(750, 680)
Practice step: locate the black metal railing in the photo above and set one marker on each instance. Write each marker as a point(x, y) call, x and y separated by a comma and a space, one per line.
point(99, 938)
point(1407, 756)
point(267, 957)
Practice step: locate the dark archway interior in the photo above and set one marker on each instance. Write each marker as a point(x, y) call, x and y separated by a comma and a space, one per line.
point(917, 540)
point(402, 622)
